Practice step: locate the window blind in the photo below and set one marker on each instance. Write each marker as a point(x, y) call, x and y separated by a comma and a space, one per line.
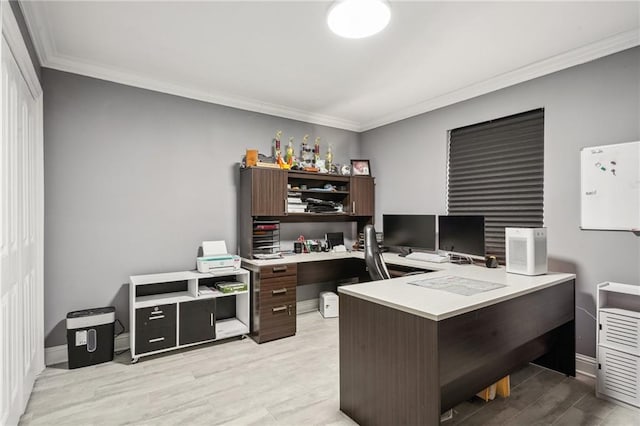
point(496, 169)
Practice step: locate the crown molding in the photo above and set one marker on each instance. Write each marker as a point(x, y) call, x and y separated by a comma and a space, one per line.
point(15, 42)
point(49, 57)
point(39, 29)
point(131, 79)
point(608, 46)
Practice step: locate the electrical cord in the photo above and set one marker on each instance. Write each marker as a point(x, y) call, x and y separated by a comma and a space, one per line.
point(118, 334)
point(587, 312)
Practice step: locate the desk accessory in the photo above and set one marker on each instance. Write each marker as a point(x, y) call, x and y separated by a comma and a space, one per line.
point(526, 250)
point(491, 262)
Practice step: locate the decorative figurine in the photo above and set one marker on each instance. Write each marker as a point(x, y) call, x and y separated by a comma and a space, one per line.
point(289, 155)
point(316, 150)
point(277, 145)
point(281, 163)
point(306, 156)
point(329, 159)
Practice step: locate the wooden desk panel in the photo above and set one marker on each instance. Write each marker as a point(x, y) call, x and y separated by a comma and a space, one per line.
point(400, 368)
point(330, 270)
point(388, 368)
point(479, 347)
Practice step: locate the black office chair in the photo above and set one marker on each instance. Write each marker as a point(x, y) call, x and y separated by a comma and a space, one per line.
point(373, 256)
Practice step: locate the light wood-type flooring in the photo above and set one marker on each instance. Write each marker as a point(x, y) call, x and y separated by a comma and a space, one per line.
point(292, 381)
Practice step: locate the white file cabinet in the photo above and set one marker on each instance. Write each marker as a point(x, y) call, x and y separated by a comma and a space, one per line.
point(618, 341)
point(178, 309)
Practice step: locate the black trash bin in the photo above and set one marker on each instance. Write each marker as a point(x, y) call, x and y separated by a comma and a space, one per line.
point(90, 336)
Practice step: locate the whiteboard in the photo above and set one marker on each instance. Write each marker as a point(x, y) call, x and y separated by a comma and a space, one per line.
point(610, 186)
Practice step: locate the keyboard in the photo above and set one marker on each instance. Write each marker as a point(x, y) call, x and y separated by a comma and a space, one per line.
point(427, 257)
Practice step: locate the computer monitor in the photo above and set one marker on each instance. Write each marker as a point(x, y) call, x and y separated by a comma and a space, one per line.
point(414, 231)
point(461, 235)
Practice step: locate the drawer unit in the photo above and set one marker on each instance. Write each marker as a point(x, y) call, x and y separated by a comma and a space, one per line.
point(277, 321)
point(619, 329)
point(159, 316)
point(274, 302)
point(277, 271)
point(280, 290)
point(618, 343)
point(619, 375)
point(155, 328)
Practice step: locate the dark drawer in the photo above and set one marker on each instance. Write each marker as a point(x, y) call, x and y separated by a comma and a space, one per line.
point(278, 311)
point(154, 317)
point(277, 322)
point(281, 289)
point(154, 339)
point(273, 271)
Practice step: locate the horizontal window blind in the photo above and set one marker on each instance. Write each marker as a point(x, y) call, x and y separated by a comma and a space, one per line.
point(496, 169)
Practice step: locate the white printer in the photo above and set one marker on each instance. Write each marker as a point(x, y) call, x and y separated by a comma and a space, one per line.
point(216, 259)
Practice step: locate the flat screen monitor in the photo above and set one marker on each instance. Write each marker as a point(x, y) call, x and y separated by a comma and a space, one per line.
point(461, 234)
point(415, 231)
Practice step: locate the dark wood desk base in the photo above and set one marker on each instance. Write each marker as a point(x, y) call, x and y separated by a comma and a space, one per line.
point(399, 368)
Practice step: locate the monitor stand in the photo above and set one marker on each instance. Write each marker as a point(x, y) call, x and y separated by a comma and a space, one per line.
point(405, 251)
point(460, 259)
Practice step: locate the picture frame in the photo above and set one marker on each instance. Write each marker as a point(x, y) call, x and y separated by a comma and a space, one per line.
point(360, 168)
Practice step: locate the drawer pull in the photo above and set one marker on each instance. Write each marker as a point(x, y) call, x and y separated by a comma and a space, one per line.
point(289, 310)
point(281, 291)
point(279, 309)
point(211, 322)
point(156, 317)
point(159, 339)
point(156, 313)
point(282, 268)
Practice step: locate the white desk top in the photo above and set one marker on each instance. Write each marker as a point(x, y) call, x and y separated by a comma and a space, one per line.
point(430, 303)
point(390, 258)
point(439, 305)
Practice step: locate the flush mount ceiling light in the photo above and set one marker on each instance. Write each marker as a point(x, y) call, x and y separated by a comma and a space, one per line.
point(358, 18)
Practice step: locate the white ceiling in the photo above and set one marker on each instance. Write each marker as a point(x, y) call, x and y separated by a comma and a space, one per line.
point(280, 58)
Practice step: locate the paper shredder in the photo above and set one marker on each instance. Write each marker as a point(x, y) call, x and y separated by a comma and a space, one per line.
point(90, 336)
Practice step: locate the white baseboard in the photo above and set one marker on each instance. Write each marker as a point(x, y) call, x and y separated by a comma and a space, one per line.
point(307, 306)
point(586, 365)
point(58, 354)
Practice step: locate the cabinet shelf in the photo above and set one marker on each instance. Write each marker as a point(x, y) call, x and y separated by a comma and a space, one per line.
point(162, 299)
point(317, 191)
point(624, 312)
point(230, 327)
point(265, 195)
point(217, 293)
point(621, 288)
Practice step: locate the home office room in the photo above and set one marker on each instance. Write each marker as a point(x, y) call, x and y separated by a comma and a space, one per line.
point(222, 212)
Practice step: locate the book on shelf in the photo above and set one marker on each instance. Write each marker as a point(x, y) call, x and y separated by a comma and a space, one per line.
point(231, 286)
point(266, 227)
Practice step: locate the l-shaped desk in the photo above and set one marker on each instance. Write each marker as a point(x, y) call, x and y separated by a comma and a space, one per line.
point(409, 353)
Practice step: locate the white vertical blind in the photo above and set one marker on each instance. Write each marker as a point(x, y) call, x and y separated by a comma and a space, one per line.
point(496, 169)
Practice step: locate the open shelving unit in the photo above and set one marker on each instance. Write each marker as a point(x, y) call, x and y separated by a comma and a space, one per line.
point(179, 309)
point(618, 343)
point(267, 194)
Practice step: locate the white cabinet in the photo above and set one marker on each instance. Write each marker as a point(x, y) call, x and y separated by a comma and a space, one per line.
point(618, 342)
point(179, 309)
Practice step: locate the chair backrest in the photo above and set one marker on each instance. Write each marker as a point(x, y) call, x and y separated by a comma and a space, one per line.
point(373, 257)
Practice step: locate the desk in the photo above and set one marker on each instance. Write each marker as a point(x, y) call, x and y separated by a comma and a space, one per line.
point(408, 353)
point(274, 282)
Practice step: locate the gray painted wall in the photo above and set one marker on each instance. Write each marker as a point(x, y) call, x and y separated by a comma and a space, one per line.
point(135, 180)
point(593, 104)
